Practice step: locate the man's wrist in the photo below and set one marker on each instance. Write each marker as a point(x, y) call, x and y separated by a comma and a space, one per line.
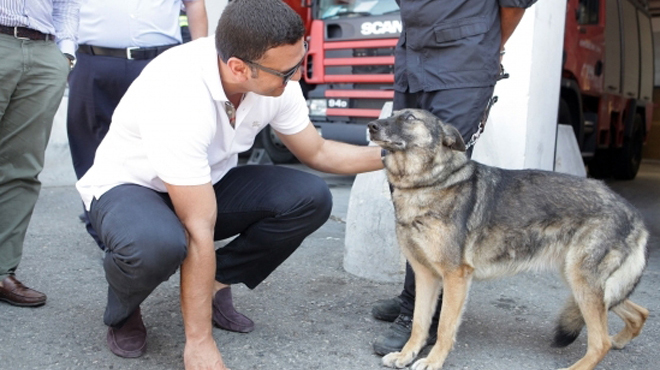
point(200, 337)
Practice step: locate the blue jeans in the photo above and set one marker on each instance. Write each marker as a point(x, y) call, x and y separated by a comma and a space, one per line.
point(271, 209)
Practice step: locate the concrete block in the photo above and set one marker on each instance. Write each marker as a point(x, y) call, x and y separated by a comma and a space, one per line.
point(259, 156)
point(568, 158)
point(371, 250)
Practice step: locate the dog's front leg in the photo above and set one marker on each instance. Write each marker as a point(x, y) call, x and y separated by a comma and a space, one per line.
point(455, 288)
point(427, 288)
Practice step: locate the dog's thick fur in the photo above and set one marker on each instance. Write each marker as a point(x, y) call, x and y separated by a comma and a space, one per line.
point(457, 219)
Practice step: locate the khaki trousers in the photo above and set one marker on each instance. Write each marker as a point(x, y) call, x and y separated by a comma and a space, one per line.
point(32, 81)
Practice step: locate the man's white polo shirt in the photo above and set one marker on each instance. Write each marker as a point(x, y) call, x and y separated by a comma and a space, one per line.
point(171, 125)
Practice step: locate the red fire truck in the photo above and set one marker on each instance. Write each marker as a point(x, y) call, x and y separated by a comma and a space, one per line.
point(606, 87)
point(607, 83)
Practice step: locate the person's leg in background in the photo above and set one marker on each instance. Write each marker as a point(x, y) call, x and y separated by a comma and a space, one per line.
point(33, 75)
point(462, 108)
point(96, 85)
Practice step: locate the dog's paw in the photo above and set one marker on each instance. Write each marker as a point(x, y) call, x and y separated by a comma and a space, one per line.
point(618, 343)
point(425, 364)
point(398, 360)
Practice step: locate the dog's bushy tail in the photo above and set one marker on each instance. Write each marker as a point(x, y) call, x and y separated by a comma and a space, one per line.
point(569, 325)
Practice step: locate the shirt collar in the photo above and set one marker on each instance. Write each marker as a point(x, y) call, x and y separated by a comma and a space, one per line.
point(211, 71)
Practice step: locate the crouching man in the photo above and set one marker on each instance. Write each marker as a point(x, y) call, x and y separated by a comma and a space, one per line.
point(164, 184)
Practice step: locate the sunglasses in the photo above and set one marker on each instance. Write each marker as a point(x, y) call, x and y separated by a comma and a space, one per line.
point(287, 75)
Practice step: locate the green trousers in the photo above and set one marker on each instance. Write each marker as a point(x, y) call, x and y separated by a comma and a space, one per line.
point(32, 81)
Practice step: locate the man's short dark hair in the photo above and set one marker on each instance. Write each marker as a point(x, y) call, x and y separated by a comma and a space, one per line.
point(248, 28)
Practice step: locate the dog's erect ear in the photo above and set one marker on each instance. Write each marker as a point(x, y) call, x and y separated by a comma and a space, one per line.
point(452, 138)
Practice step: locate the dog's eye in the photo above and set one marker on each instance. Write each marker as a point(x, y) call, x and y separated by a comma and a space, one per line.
point(410, 117)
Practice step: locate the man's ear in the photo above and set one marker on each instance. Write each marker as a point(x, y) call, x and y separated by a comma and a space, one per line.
point(452, 138)
point(238, 68)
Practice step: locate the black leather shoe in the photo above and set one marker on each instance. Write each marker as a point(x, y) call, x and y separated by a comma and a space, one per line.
point(387, 309)
point(398, 334)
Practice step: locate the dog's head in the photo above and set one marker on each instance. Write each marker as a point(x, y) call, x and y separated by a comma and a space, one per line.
point(414, 128)
point(421, 149)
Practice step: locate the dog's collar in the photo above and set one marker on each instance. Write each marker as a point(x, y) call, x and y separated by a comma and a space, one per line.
point(437, 181)
point(383, 153)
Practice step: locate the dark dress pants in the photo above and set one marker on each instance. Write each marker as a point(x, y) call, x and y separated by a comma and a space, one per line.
point(463, 109)
point(96, 85)
point(272, 210)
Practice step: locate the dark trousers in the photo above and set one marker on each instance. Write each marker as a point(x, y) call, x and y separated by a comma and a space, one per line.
point(96, 86)
point(272, 210)
point(462, 108)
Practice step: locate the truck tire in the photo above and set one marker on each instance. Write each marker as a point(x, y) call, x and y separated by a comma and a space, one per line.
point(600, 166)
point(565, 117)
point(276, 150)
point(628, 158)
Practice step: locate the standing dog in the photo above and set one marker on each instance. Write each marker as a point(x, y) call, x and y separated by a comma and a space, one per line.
point(457, 219)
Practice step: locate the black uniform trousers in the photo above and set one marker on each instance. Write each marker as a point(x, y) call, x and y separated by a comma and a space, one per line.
point(463, 108)
point(271, 209)
point(96, 85)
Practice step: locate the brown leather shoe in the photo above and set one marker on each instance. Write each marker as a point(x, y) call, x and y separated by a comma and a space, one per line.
point(14, 292)
point(129, 340)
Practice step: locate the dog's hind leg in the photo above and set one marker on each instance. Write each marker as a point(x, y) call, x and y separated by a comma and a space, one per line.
point(455, 290)
point(634, 316)
point(427, 290)
point(594, 311)
point(569, 325)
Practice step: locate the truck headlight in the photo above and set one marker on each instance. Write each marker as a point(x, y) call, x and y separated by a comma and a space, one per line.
point(317, 107)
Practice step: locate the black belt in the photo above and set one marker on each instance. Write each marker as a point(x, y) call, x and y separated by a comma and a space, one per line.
point(23, 33)
point(125, 53)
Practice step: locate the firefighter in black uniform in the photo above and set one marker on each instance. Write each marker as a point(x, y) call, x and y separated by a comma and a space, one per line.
point(447, 61)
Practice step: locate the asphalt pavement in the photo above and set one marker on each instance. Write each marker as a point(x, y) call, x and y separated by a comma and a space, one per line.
point(309, 314)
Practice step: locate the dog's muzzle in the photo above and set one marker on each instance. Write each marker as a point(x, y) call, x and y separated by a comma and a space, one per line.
point(374, 128)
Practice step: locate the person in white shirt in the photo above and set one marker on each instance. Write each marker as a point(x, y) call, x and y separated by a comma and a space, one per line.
point(164, 184)
point(117, 39)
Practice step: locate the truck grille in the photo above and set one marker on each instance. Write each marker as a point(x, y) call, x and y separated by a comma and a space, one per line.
point(358, 74)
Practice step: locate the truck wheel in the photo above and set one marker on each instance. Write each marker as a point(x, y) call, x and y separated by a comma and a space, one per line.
point(628, 158)
point(276, 150)
point(564, 116)
point(600, 166)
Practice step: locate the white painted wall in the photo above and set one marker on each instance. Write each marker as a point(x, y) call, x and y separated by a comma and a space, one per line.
point(213, 10)
point(522, 126)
